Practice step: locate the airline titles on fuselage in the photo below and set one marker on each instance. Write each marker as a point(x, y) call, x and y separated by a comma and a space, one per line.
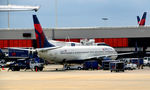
point(110, 50)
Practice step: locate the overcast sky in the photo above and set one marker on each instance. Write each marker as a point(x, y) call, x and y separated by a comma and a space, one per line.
point(78, 13)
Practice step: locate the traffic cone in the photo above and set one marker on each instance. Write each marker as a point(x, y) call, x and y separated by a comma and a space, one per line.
point(3, 68)
point(36, 69)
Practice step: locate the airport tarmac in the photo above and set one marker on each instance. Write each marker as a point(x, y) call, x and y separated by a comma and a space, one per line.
point(50, 79)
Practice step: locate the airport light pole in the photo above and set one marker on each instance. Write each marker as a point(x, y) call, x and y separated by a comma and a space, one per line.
point(56, 23)
point(8, 8)
point(8, 16)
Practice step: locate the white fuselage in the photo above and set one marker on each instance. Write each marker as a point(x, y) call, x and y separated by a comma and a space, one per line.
point(70, 53)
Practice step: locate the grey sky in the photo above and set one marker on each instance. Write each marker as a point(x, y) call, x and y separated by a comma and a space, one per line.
point(78, 13)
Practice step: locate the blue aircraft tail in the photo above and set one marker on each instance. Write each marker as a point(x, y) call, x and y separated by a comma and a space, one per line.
point(41, 39)
point(143, 20)
point(138, 19)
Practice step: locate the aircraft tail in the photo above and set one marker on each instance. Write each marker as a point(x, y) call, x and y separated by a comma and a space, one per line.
point(138, 19)
point(41, 39)
point(142, 22)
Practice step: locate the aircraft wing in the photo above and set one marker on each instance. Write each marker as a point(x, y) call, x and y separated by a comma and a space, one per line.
point(38, 49)
point(125, 53)
point(45, 49)
point(108, 55)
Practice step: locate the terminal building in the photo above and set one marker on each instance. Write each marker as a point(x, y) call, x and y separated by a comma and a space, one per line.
point(123, 39)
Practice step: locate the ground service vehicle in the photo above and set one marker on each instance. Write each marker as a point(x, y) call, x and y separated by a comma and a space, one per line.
point(26, 64)
point(2, 63)
point(146, 60)
point(130, 66)
point(106, 64)
point(74, 67)
point(37, 64)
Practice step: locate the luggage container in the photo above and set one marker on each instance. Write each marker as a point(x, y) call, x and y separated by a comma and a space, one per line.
point(106, 63)
point(117, 66)
point(138, 61)
point(90, 65)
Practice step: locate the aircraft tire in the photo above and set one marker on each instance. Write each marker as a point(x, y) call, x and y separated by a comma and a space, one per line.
point(12, 69)
point(17, 69)
point(79, 68)
point(68, 68)
point(41, 68)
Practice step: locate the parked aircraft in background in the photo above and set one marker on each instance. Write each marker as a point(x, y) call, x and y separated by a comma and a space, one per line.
point(6, 8)
point(63, 43)
point(142, 21)
point(83, 42)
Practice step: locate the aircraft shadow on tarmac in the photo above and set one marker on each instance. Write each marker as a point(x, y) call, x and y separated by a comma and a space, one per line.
point(54, 70)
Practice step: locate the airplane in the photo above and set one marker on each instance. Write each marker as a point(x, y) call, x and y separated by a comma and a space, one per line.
point(66, 54)
point(6, 8)
point(69, 54)
point(142, 21)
